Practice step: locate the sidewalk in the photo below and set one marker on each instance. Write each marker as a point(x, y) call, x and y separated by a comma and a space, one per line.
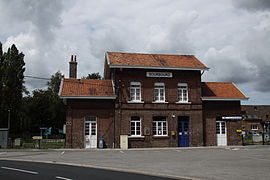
point(236, 162)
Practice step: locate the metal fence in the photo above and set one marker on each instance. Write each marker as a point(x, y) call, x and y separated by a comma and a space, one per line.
point(254, 138)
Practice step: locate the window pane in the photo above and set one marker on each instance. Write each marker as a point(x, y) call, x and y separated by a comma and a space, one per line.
point(223, 127)
point(156, 94)
point(217, 127)
point(159, 125)
point(135, 125)
point(164, 128)
point(135, 118)
point(135, 91)
point(154, 128)
point(93, 128)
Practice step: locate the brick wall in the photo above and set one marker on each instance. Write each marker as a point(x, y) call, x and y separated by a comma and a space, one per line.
point(77, 110)
point(148, 109)
point(214, 109)
point(196, 138)
point(125, 76)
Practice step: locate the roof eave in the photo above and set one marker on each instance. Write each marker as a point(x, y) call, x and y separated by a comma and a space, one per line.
point(223, 99)
point(87, 97)
point(158, 67)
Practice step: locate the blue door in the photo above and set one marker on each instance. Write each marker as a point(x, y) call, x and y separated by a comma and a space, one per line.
point(183, 131)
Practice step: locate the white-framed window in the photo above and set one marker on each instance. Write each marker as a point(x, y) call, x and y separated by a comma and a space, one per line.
point(254, 127)
point(160, 127)
point(182, 92)
point(159, 92)
point(135, 91)
point(135, 126)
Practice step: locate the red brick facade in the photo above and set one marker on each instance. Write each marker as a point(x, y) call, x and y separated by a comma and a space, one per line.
point(213, 111)
point(77, 110)
point(114, 114)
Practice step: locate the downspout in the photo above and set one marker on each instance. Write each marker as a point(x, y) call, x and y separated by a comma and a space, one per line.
point(114, 104)
point(203, 118)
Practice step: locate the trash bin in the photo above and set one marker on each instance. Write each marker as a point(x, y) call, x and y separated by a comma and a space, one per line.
point(100, 143)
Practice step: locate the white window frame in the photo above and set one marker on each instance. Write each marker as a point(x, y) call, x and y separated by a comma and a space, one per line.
point(136, 126)
point(254, 125)
point(160, 127)
point(136, 89)
point(181, 88)
point(159, 87)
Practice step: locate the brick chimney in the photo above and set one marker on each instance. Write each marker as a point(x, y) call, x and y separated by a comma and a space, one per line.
point(73, 67)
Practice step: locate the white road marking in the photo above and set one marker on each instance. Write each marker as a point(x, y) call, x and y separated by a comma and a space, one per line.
point(121, 151)
point(3, 153)
point(20, 170)
point(62, 152)
point(59, 177)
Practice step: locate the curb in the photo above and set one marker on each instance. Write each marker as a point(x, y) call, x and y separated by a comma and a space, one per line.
point(118, 149)
point(107, 168)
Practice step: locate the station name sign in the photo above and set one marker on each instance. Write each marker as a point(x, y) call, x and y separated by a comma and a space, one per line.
point(159, 74)
point(232, 117)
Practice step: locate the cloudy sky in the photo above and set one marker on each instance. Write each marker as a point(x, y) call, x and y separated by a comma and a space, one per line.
point(232, 37)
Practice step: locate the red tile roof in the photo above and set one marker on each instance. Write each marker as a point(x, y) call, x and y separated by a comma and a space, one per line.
point(221, 90)
point(154, 60)
point(86, 88)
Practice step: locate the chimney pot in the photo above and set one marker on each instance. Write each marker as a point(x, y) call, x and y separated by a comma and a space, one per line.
point(71, 58)
point(73, 68)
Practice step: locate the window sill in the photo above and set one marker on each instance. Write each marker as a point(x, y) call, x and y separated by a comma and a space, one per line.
point(135, 102)
point(160, 102)
point(134, 137)
point(183, 102)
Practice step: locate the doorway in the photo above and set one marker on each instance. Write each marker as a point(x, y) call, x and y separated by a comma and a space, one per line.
point(90, 132)
point(183, 131)
point(221, 131)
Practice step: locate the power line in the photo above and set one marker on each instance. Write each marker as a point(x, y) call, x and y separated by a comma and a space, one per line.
point(35, 77)
point(76, 82)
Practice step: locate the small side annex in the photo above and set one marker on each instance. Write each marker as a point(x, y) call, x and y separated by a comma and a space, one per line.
point(222, 113)
point(90, 104)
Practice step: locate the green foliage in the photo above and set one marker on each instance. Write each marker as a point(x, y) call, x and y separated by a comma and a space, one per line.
point(12, 69)
point(54, 83)
point(92, 76)
point(43, 109)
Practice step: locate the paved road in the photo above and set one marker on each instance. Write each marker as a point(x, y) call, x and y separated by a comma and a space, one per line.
point(248, 162)
point(10, 170)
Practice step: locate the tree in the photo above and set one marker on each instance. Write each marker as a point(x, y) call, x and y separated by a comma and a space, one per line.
point(54, 83)
point(92, 76)
point(44, 108)
point(11, 88)
point(2, 111)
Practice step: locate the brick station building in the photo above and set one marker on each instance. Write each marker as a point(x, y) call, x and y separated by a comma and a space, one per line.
point(157, 100)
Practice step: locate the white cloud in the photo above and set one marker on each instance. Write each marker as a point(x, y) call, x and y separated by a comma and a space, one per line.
point(231, 37)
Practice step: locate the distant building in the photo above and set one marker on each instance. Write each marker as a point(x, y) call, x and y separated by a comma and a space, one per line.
point(157, 100)
point(256, 118)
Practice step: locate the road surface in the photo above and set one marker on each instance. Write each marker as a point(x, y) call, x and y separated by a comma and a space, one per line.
point(11, 170)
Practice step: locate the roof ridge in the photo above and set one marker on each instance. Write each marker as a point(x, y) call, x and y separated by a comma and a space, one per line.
point(218, 82)
point(170, 54)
